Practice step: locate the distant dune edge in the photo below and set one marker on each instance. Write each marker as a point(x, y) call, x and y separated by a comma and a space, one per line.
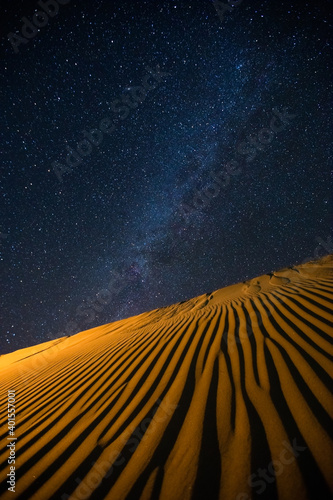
point(225, 396)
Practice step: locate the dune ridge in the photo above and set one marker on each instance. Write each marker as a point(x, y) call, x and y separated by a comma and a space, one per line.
point(224, 396)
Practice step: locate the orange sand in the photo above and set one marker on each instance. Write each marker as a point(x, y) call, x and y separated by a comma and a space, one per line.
point(203, 399)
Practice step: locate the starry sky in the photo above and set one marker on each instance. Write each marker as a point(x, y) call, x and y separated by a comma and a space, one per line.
point(153, 151)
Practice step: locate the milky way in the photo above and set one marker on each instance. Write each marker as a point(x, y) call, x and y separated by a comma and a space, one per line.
point(153, 151)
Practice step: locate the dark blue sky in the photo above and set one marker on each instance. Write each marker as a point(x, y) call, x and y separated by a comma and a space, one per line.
point(185, 104)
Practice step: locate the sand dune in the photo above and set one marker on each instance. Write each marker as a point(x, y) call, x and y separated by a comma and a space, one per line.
point(225, 396)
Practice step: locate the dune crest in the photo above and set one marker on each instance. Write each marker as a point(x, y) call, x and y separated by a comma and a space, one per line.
point(224, 396)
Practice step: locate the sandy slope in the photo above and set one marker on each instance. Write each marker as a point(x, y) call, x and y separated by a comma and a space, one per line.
point(223, 396)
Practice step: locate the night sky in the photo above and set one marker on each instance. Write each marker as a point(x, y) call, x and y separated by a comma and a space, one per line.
point(117, 116)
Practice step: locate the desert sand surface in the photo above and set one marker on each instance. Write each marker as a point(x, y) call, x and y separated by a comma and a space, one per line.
point(224, 396)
